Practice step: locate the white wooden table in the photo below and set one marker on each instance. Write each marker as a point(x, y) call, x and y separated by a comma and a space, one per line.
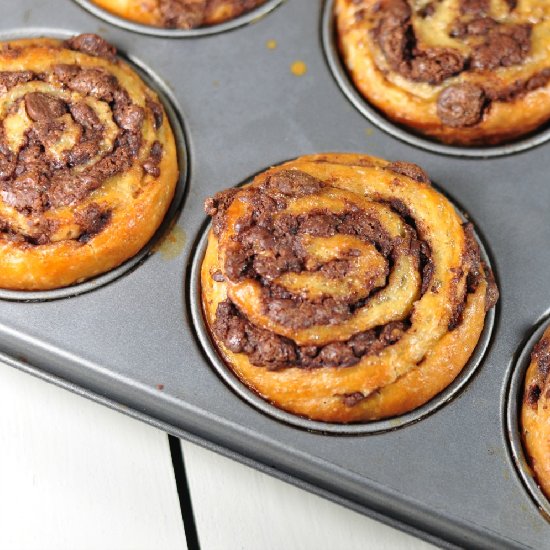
point(76, 475)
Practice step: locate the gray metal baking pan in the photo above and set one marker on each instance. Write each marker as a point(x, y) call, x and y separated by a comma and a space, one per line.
point(130, 341)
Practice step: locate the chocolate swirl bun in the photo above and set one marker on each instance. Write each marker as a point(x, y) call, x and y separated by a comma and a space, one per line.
point(178, 14)
point(466, 72)
point(535, 412)
point(343, 287)
point(87, 162)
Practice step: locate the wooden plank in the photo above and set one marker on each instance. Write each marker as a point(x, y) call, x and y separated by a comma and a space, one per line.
point(74, 474)
point(238, 507)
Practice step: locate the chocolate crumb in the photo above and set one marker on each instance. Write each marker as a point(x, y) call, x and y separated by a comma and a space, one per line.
point(182, 14)
point(92, 44)
point(532, 395)
point(156, 109)
point(435, 65)
point(541, 354)
point(461, 105)
point(505, 45)
point(475, 7)
point(216, 206)
point(43, 107)
point(493, 294)
point(351, 399)
point(151, 165)
point(92, 219)
point(409, 169)
point(9, 79)
point(218, 276)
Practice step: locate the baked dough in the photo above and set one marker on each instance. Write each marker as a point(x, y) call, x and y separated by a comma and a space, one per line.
point(178, 14)
point(535, 413)
point(465, 72)
point(343, 287)
point(88, 162)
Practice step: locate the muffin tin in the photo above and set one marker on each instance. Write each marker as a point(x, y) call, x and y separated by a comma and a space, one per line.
point(164, 94)
point(133, 342)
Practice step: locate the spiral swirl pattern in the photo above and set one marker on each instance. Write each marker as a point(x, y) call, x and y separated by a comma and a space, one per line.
point(343, 287)
point(466, 72)
point(87, 161)
point(535, 412)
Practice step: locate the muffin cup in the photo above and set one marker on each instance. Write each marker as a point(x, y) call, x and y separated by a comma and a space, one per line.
point(340, 74)
point(513, 407)
point(366, 427)
point(175, 118)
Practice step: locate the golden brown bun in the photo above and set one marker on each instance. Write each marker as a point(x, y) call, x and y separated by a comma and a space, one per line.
point(465, 72)
point(178, 14)
point(324, 297)
point(88, 162)
point(535, 413)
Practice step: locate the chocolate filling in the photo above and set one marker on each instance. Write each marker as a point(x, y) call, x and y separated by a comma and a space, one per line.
point(9, 79)
point(475, 27)
point(540, 355)
point(35, 178)
point(474, 7)
point(493, 44)
point(396, 38)
point(274, 352)
point(268, 246)
point(92, 219)
point(518, 87)
point(189, 14)
point(504, 45)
